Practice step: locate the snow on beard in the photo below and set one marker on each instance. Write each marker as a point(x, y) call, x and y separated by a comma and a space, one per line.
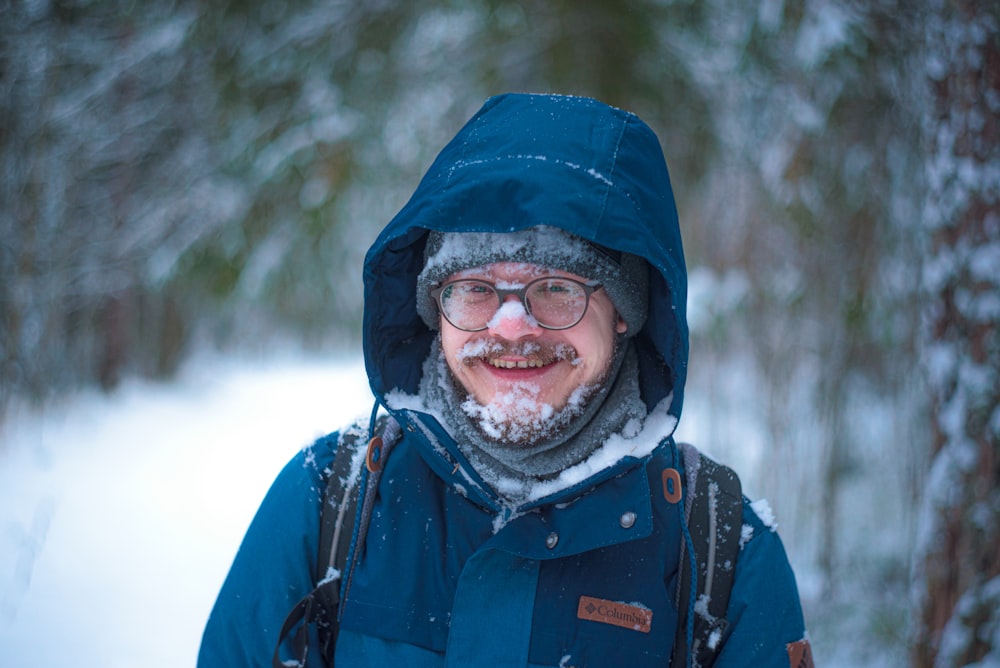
point(517, 415)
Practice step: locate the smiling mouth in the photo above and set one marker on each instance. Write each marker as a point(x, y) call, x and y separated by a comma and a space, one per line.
point(529, 356)
point(517, 364)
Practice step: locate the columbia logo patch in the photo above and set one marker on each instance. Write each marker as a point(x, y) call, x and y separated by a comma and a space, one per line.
point(625, 615)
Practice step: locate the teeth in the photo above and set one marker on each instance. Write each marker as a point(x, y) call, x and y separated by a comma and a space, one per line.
point(520, 364)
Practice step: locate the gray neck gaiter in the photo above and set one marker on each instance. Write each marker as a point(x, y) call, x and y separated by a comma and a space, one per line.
point(606, 412)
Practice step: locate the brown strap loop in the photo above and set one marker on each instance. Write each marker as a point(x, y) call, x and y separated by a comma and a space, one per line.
point(672, 485)
point(373, 460)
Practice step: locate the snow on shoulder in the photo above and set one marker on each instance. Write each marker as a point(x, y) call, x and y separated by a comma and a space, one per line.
point(764, 512)
point(762, 509)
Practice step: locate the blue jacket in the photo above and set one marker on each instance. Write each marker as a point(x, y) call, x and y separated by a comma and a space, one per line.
point(450, 575)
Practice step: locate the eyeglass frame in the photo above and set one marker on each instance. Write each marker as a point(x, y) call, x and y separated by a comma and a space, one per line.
point(589, 288)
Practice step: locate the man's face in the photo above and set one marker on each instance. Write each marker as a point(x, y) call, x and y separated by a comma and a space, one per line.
point(516, 366)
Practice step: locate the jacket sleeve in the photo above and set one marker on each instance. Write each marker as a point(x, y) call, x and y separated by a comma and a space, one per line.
point(273, 568)
point(765, 615)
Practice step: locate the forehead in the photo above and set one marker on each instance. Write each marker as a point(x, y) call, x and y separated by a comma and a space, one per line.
point(513, 272)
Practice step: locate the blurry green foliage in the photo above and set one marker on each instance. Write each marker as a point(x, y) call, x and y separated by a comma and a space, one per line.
point(236, 158)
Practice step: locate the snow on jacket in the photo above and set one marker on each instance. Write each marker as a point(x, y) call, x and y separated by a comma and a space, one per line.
point(451, 575)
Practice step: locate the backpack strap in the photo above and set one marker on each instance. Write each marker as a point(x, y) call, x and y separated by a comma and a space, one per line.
point(377, 454)
point(341, 501)
point(713, 510)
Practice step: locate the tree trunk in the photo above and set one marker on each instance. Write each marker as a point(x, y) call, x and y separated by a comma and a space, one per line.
point(958, 560)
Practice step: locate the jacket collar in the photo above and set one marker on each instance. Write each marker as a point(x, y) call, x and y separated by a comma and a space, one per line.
point(442, 455)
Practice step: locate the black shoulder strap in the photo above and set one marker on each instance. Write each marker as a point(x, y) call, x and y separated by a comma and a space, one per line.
point(714, 510)
point(340, 508)
point(340, 502)
point(337, 520)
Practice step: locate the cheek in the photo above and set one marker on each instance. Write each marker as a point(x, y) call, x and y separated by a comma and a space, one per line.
point(451, 343)
point(595, 349)
point(603, 349)
point(598, 341)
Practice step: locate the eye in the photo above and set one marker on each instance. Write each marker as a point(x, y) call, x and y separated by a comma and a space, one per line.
point(544, 288)
point(554, 289)
point(472, 292)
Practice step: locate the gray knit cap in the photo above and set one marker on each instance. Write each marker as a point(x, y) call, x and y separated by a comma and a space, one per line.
point(624, 276)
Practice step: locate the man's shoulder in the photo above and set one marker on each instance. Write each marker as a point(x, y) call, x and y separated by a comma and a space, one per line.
point(318, 456)
point(758, 521)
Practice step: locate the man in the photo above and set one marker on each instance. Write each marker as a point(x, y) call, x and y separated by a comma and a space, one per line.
point(525, 326)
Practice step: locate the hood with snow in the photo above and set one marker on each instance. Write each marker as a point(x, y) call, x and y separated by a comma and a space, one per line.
point(522, 161)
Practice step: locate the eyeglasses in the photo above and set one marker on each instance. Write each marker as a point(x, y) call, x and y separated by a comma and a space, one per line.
point(554, 302)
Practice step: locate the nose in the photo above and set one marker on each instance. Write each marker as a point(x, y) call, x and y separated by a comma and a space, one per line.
point(512, 321)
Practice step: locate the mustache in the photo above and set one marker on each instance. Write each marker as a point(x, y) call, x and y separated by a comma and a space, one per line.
point(534, 352)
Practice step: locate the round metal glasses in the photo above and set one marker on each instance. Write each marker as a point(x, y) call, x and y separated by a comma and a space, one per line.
point(554, 302)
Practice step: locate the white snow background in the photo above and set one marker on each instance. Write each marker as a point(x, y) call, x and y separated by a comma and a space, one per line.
point(120, 514)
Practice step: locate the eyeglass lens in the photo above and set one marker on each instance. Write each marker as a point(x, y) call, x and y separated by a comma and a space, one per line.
point(554, 302)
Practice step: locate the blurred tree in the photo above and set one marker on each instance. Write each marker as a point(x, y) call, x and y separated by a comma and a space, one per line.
point(214, 172)
point(105, 165)
point(958, 565)
point(809, 200)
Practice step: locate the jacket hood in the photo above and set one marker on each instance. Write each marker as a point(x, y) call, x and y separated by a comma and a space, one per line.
point(526, 160)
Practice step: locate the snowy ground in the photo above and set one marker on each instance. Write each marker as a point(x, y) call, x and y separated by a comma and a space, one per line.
point(119, 515)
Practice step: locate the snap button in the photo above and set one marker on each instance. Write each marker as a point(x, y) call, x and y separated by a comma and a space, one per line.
point(552, 540)
point(627, 520)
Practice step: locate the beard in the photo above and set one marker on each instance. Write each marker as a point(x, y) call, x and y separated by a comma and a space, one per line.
point(517, 415)
point(531, 442)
